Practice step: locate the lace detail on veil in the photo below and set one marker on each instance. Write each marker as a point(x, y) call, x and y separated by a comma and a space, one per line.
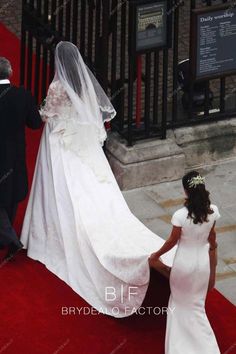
point(59, 106)
point(57, 101)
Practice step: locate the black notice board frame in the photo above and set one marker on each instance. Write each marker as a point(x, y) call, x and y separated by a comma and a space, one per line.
point(133, 5)
point(193, 47)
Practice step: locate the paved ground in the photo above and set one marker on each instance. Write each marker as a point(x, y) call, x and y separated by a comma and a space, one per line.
point(154, 206)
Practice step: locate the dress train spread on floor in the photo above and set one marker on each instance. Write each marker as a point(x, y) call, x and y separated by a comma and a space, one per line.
point(78, 224)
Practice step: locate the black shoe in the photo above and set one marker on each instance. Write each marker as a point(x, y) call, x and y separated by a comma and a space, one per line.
point(13, 250)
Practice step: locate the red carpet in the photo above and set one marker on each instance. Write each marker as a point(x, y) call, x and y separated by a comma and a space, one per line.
point(31, 299)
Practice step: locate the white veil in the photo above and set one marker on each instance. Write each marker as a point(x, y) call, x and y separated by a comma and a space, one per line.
point(86, 94)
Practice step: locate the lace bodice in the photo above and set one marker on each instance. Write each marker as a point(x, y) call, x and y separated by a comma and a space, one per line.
point(62, 117)
point(58, 104)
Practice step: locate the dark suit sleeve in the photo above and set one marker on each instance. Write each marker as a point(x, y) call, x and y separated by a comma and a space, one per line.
point(33, 118)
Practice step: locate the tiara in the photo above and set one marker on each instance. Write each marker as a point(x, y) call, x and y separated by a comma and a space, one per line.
point(195, 181)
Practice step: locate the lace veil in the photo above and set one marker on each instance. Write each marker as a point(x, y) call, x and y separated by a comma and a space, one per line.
point(91, 104)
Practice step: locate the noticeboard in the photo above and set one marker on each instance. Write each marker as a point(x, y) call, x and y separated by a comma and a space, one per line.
point(213, 42)
point(150, 25)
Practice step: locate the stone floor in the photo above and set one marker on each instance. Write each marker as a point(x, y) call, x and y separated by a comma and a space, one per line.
point(154, 206)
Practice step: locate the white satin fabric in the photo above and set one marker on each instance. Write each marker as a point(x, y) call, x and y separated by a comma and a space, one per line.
point(77, 222)
point(188, 329)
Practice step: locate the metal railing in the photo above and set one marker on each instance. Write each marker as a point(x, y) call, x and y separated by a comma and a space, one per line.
point(147, 105)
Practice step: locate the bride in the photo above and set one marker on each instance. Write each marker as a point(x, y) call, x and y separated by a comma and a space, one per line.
point(77, 222)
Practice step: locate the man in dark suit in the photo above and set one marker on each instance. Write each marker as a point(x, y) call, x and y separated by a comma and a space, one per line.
point(17, 110)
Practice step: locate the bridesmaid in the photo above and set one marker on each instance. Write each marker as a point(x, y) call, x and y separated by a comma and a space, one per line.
point(193, 272)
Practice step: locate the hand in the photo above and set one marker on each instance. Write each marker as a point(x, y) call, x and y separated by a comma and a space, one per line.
point(158, 265)
point(152, 259)
point(154, 255)
point(155, 260)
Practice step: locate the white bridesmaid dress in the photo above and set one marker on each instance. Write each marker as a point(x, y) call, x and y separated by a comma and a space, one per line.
point(188, 329)
point(77, 222)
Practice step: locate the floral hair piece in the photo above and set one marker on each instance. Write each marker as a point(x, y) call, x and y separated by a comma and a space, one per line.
point(195, 181)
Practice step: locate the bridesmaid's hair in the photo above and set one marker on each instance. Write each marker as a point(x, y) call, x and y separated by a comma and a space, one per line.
point(197, 201)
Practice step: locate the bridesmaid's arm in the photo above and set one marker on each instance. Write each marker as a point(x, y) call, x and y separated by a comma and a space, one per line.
point(212, 238)
point(168, 245)
point(213, 257)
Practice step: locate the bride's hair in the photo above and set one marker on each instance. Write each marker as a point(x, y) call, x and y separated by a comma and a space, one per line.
point(197, 201)
point(66, 60)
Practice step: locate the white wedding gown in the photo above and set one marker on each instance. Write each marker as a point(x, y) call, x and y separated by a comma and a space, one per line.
point(77, 222)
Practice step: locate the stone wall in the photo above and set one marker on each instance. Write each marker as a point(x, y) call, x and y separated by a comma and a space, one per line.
point(186, 148)
point(10, 15)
